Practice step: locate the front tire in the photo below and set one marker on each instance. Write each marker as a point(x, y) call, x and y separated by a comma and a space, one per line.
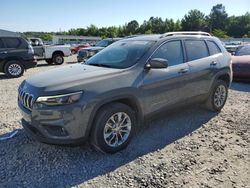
point(113, 128)
point(217, 97)
point(58, 59)
point(13, 69)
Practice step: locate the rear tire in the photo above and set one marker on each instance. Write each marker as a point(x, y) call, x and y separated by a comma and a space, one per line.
point(14, 69)
point(58, 59)
point(113, 128)
point(217, 97)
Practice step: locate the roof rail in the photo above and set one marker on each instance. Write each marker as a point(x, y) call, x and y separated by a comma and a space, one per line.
point(185, 33)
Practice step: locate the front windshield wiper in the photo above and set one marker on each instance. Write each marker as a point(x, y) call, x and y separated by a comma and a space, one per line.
point(100, 65)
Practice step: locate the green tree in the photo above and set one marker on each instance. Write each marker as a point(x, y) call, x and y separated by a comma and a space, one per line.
point(132, 27)
point(219, 33)
point(193, 21)
point(239, 26)
point(217, 18)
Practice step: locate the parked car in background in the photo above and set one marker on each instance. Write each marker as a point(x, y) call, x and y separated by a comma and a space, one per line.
point(50, 53)
point(241, 63)
point(85, 53)
point(105, 99)
point(75, 49)
point(232, 46)
point(16, 55)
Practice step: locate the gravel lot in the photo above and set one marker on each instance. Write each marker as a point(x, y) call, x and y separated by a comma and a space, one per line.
point(188, 148)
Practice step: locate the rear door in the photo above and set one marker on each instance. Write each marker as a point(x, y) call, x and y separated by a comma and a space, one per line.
point(201, 65)
point(12, 45)
point(164, 87)
point(3, 53)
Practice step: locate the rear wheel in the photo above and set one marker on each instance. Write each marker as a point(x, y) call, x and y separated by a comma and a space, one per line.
point(14, 69)
point(58, 59)
point(218, 96)
point(113, 128)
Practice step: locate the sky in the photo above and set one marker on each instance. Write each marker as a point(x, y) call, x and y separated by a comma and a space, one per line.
point(62, 15)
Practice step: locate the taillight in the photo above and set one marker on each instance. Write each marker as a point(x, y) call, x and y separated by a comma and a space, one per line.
point(30, 49)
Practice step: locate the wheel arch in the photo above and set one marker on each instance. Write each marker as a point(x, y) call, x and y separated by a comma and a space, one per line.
point(130, 101)
point(57, 52)
point(14, 58)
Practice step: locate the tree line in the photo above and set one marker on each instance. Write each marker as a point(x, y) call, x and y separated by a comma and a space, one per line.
point(217, 22)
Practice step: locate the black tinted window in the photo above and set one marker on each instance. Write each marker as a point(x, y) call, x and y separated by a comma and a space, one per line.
point(171, 51)
point(11, 42)
point(1, 44)
point(196, 49)
point(213, 48)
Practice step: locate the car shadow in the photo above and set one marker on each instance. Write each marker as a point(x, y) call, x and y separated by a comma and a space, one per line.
point(241, 86)
point(26, 162)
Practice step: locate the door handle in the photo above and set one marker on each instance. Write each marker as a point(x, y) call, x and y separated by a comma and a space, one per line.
point(213, 63)
point(182, 71)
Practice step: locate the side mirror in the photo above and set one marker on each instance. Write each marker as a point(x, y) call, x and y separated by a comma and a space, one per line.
point(157, 63)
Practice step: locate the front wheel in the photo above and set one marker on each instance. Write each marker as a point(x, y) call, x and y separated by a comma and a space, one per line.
point(218, 96)
point(14, 69)
point(113, 128)
point(58, 59)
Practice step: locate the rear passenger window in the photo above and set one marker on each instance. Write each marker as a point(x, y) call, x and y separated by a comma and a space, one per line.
point(213, 48)
point(196, 49)
point(171, 51)
point(11, 42)
point(1, 44)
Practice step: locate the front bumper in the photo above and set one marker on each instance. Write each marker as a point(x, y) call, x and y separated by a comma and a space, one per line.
point(56, 125)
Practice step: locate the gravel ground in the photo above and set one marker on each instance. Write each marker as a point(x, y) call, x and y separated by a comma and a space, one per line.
point(188, 148)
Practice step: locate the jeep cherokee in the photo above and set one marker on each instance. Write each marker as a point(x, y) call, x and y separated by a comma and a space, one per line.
point(104, 100)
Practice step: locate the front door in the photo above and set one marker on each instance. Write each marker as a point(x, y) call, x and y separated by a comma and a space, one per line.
point(165, 87)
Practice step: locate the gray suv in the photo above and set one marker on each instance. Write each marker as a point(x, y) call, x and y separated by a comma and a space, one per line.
point(105, 99)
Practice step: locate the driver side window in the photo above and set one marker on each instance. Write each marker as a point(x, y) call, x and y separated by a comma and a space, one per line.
point(171, 51)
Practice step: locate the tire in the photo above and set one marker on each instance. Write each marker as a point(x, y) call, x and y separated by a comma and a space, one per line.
point(49, 61)
point(58, 59)
point(217, 97)
point(105, 126)
point(14, 69)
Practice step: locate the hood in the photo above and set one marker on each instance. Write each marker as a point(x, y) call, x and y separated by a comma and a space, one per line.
point(70, 76)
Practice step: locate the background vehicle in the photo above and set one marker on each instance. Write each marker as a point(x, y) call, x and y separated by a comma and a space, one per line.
point(75, 49)
point(106, 98)
point(241, 63)
point(85, 53)
point(232, 46)
point(51, 53)
point(16, 55)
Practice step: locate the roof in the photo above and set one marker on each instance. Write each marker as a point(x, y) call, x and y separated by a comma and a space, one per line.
point(156, 37)
point(5, 33)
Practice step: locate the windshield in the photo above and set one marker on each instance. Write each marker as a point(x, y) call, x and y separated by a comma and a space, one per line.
point(121, 54)
point(103, 43)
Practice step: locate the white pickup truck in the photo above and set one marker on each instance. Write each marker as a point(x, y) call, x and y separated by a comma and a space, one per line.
point(50, 53)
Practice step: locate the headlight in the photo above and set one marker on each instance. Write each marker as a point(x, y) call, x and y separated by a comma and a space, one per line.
point(60, 99)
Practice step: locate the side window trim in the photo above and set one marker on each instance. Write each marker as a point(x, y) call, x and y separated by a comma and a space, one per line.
point(163, 43)
point(208, 53)
point(207, 40)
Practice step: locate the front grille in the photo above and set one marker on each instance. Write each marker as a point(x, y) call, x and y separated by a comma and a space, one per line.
point(26, 99)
